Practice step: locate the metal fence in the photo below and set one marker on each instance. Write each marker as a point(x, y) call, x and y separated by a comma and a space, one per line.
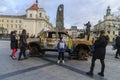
point(4, 37)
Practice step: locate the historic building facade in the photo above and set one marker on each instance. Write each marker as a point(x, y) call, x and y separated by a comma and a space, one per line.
point(34, 21)
point(74, 32)
point(109, 24)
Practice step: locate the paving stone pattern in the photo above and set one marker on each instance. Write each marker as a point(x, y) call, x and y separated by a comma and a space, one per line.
point(46, 68)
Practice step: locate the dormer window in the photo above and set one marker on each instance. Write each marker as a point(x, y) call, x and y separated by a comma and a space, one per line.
point(30, 15)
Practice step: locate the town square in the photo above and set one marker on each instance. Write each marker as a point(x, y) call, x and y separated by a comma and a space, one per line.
point(59, 40)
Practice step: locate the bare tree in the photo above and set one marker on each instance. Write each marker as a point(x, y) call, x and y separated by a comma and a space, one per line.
point(117, 14)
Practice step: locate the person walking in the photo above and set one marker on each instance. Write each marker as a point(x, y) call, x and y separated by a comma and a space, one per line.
point(99, 53)
point(23, 44)
point(11, 35)
point(61, 46)
point(14, 44)
point(117, 40)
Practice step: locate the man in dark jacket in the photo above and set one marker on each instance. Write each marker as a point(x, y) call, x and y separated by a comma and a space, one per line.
point(23, 44)
point(117, 46)
point(88, 25)
point(99, 53)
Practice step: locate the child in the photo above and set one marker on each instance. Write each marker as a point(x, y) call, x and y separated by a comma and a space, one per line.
point(61, 46)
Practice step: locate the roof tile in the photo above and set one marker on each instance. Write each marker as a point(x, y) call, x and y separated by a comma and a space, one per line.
point(33, 7)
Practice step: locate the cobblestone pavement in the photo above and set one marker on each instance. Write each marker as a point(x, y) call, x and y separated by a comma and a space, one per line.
point(46, 68)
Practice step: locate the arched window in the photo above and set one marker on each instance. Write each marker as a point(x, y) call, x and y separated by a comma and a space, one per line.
point(40, 14)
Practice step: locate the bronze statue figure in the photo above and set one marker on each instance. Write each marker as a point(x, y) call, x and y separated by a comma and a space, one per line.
point(87, 32)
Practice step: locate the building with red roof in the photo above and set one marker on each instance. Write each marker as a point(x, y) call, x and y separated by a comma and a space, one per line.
point(34, 21)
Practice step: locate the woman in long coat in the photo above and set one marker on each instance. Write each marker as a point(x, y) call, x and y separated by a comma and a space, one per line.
point(99, 53)
point(14, 44)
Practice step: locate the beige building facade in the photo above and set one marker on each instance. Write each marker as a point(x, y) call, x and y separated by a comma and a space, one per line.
point(109, 24)
point(34, 21)
point(74, 32)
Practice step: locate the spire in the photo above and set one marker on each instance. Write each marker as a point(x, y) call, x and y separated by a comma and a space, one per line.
point(36, 1)
point(108, 11)
point(34, 6)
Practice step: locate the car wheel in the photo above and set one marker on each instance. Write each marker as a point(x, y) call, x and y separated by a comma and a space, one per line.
point(34, 51)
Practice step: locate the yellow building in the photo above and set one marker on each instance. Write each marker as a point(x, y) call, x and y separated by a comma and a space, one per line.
point(109, 24)
point(34, 21)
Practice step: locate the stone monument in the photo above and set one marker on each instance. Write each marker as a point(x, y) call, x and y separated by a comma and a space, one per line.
point(60, 18)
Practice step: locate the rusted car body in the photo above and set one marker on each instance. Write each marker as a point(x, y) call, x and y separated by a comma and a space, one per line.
point(47, 41)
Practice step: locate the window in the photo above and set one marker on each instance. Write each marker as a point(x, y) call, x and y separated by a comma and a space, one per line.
point(51, 35)
point(16, 21)
point(19, 21)
point(7, 25)
point(113, 32)
point(63, 35)
point(40, 14)
point(19, 26)
point(2, 20)
point(74, 34)
point(7, 20)
point(30, 15)
point(11, 20)
point(16, 26)
point(11, 26)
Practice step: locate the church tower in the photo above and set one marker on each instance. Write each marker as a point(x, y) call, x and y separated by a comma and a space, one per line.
point(32, 11)
point(37, 18)
point(108, 11)
point(37, 2)
point(108, 15)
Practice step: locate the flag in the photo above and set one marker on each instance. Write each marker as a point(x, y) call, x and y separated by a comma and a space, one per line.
point(71, 50)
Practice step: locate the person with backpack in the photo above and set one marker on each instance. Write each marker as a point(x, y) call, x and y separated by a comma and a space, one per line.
point(99, 53)
point(23, 45)
point(117, 46)
point(61, 46)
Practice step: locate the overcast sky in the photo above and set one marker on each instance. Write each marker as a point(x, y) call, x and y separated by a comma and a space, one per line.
point(76, 12)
